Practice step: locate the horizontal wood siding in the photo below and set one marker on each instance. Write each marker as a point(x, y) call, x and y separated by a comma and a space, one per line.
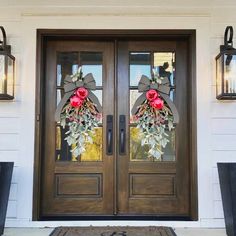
point(216, 119)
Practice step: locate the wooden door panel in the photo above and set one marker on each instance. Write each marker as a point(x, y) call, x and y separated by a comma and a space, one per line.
point(146, 186)
point(156, 185)
point(87, 185)
point(76, 187)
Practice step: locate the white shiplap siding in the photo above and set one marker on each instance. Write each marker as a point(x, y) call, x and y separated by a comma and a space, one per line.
point(223, 113)
point(216, 119)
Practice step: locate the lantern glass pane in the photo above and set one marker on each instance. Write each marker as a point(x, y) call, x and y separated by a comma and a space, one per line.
point(229, 73)
point(219, 75)
point(3, 84)
point(10, 76)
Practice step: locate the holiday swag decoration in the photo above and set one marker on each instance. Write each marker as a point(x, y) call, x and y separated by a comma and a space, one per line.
point(154, 113)
point(79, 110)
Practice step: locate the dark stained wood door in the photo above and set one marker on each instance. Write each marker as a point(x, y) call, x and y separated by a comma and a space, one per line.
point(71, 187)
point(147, 186)
point(127, 183)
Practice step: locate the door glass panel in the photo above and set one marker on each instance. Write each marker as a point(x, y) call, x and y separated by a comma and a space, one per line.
point(137, 151)
point(60, 94)
point(141, 63)
point(164, 64)
point(169, 150)
point(67, 64)
point(92, 63)
point(58, 142)
point(133, 95)
point(98, 94)
point(94, 150)
point(140, 153)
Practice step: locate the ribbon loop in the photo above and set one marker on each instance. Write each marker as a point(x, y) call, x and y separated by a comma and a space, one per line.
point(165, 81)
point(69, 87)
point(68, 79)
point(144, 84)
point(88, 82)
point(164, 89)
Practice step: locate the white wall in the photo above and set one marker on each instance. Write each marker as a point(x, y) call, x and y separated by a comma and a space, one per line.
point(216, 120)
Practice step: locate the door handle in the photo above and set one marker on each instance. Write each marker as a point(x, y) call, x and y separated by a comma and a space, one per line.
point(122, 135)
point(109, 136)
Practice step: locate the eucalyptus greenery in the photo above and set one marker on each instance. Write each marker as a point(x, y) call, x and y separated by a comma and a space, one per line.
point(153, 124)
point(81, 122)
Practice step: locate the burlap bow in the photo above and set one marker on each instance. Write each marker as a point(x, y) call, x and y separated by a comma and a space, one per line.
point(88, 82)
point(146, 84)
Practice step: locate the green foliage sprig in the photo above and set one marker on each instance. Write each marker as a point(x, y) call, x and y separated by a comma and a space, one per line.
point(81, 122)
point(153, 124)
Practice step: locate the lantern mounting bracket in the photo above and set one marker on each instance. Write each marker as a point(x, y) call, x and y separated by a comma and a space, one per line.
point(228, 40)
point(3, 43)
point(228, 44)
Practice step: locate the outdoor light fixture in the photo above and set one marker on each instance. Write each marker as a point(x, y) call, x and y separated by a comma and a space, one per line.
point(7, 69)
point(226, 68)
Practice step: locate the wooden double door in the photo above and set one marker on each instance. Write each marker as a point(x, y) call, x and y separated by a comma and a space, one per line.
point(116, 176)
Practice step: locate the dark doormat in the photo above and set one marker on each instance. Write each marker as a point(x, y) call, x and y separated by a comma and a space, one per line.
point(113, 231)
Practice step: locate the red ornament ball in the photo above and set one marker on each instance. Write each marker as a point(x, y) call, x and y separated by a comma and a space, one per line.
point(76, 101)
point(82, 93)
point(151, 95)
point(157, 103)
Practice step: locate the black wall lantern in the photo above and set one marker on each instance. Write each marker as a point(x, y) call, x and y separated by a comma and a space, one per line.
point(226, 68)
point(7, 69)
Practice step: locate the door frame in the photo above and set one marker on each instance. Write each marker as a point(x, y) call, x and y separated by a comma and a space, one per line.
point(44, 35)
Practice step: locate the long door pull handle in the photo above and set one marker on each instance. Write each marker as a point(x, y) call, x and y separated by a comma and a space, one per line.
point(122, 134)
point(109, 136)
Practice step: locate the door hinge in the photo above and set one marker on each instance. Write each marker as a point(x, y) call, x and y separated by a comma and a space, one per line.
point(38, 117)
